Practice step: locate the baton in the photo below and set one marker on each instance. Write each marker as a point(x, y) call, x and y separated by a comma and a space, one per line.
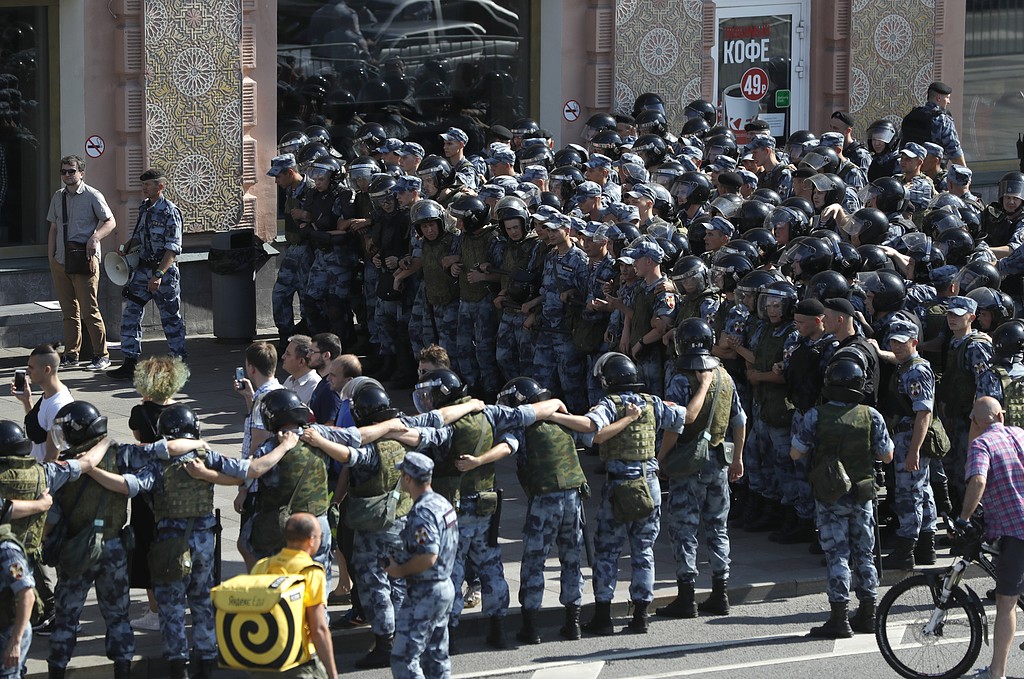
point(492, 530)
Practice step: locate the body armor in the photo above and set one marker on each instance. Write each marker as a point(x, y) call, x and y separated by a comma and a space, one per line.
point(845, 431)
point(635, 442)
point(390, 453)
point(551, 461)
point(643, 313)
point(1013, 397)
point(958, 386)
point(723, 386)
point(917, 125)
point(442, 288)
point(475, 250)
point(805, 375)
point(80, 504)
point(23, 478)
point(776, 410)
point(471, 435)
point(302, 484)
point(183, 497)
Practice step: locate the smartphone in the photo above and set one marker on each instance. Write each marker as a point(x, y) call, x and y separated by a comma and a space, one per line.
point(19, 381)
point(239, 376)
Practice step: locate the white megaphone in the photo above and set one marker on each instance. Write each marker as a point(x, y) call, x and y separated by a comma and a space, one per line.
point(119, 267)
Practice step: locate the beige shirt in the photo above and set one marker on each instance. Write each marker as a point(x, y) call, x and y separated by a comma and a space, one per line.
point(87, 209)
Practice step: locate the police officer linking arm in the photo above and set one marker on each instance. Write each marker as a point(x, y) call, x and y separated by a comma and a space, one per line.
point(17, 600)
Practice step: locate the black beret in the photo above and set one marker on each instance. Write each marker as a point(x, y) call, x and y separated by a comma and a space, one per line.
point(844, 116)
point(501, 132)
point(810, 307)
point(151, 173)
point(940, 87)
point(840, 304)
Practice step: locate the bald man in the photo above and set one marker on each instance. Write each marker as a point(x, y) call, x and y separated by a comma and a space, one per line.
point(995, 469)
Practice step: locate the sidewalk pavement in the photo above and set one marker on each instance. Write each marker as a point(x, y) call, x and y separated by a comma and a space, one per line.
point(760, 569)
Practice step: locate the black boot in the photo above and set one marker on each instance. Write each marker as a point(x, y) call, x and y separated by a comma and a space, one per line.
point(682, 606)
point(837, 627)
point(771, 514)
point(176, 669)
point(788, 523)
point(528, 632)
point(126, 371)
point(863, 621)
point(201, 669)
point(737, 505)
point(924, 551)
point(718, 602)
point(496, 636)
point(940, 489)
point(601, 623)
point(379, 656)
point(752, 510)
point(452, 647)
point(55, 672)
point(799, 533)
point(639, 622)
point(901, 558)
point(571, 629)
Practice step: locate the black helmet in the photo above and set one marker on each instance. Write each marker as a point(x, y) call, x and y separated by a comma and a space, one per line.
point(472, 212)
point(1008, 341)
point(650, 147)
point(976, 274)
point(694, 340)
point(667, 172)
point(616, 373)
point(956, 244)
point(698, 108)
point(513, 207)
point(326, 167)
point(599, 122)
point(77, 424)
point(292, 142)
point(607, 142)
point(691, 188)
point(888, 192)
point(551, 200)
point(562, 181)
point(663, 203)
point(651, 122)
point(360, 170)
point(849, 261)
point(1012, 184)
point(426, 210)
point(754, 282)
point(869, 225)
point(800, 204)
point(805, 257)
point(382, 188)
point(766, 195)
point(844, 380)
point(823, 159)
point(281, 408)
point(436, 170)
point(691, 267)
point(695, 127)
point(570, 156)
point(537, 154)
point(177, 421)
point(751, 215)
point(764, 242)
point(311, 153)
point(832, 186)
point(873, 258)
point(524, 126)
point(797, 221)
point(371, 404)
point(888, 290)
point(937, 220)
point(520, 390)
point(13, 441)
point(648, 101)
point(923, 252)
point(997, 302)
point(727, 205)
point(728, 269)
point(719, 145)
point(318, 133)
point(798, 143)
point(438, 388)
point(885, 131)
point(778, 292)
point(370, 135)
point(826, 285)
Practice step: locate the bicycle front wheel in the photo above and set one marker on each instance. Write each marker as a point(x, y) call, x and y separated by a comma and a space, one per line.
point(903, 615)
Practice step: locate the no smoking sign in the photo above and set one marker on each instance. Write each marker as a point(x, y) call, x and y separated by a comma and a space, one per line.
point(94, 146)
point(571, 110)
point(754, 84)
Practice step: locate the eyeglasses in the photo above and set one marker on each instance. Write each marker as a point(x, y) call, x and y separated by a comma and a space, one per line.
point(68, 173)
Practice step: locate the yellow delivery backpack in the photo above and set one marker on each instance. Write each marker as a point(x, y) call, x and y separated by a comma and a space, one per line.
point(261, 622)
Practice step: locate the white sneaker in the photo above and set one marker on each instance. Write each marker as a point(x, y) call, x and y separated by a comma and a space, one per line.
point(150, 622)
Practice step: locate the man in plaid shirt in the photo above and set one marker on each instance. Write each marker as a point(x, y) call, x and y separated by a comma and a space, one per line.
point(995, 472)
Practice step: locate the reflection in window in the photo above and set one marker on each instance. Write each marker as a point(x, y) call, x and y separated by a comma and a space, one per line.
point(25, 183)
point(416, 67)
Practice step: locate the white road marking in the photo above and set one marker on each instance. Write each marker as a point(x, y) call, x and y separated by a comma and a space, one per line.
point(590, 670)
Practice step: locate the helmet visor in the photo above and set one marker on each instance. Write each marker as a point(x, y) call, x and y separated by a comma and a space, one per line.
point(1011, 187)
point(815, 161)
point(57, 432)
point(883, 134)
point(681, 191)
point(769, 305)
point(854, 225)
point(316, 172)
point(422, 396)
point(727, 208)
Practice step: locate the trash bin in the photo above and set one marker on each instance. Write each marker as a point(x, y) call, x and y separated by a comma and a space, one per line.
point(233, 258)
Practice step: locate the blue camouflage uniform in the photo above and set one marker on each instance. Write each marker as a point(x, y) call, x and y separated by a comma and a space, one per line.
point(920, 191)
point(16, 576)
point(421, 334)
point(650, 364)
point(478, 318)
point(421, 627)
point(610, 534)
point(555, 360)
point(944, 130)
point(955, 416)
point(914, 501)
point(769, 441)
point(701, 498)
point(617, 321)
point(601, 273)
point(846, 528)
point(441, 308)
point(159, 229)
point(293, 270)
point(515, 343)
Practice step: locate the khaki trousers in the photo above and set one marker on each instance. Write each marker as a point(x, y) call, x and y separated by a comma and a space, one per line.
point(77, 294)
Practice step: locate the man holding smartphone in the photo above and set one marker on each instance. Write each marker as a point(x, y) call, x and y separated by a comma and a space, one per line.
point(79, 217)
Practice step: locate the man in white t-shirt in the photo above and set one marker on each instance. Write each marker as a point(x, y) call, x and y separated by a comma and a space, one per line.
point(302, 379)
point(43, 364)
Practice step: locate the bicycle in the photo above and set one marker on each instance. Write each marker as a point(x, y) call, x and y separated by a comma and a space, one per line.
point(932, 624)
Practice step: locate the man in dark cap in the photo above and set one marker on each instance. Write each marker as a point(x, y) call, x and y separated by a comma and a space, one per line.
point(843, 321)
point(158, 235)
point(853, 150)
point(933, 123)
point(293, 272)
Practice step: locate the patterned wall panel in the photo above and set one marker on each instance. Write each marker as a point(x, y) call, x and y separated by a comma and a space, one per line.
point(194, 106)
point(893, 55)
point(658, 48)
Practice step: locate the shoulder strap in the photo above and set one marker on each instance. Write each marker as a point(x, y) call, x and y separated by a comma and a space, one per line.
point(714, 402)
point(64, 217)
point(305, 470)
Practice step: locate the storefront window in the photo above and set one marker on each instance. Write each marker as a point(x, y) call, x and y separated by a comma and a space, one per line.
point(25, 180)
point(414, 66)
point(993, 105)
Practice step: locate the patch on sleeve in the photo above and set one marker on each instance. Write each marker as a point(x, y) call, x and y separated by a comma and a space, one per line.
point(916, 389)
point(17, 571)
point(670, 301)
point(421, 536)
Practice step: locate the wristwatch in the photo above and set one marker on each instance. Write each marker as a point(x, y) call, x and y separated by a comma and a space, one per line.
point(158, 273)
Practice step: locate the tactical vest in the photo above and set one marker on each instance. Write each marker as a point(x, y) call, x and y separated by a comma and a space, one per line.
point(183, 497)
point(301, 471)
point(857, 347)
point(22, 478)
point(805, 374)
point(475, 250)
point(934, 325)
point(321, 206)
point(776, 409)
point(958, 387)
point(81, 514)
point(1013, 397)
point(996, 225)
point(643, 313)
point(551, 461)
point(471, 435)
point(518, 255)
point(917, 125)
point(897, 404)
point(390, 453)
point(442, 288)
point(773, 178)
point(689, 307)
point(635, 442)
point(723, 386)
point(294, 202)
point(845, 431)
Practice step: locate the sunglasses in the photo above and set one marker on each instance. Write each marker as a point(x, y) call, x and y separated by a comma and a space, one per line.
point(68, 173)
